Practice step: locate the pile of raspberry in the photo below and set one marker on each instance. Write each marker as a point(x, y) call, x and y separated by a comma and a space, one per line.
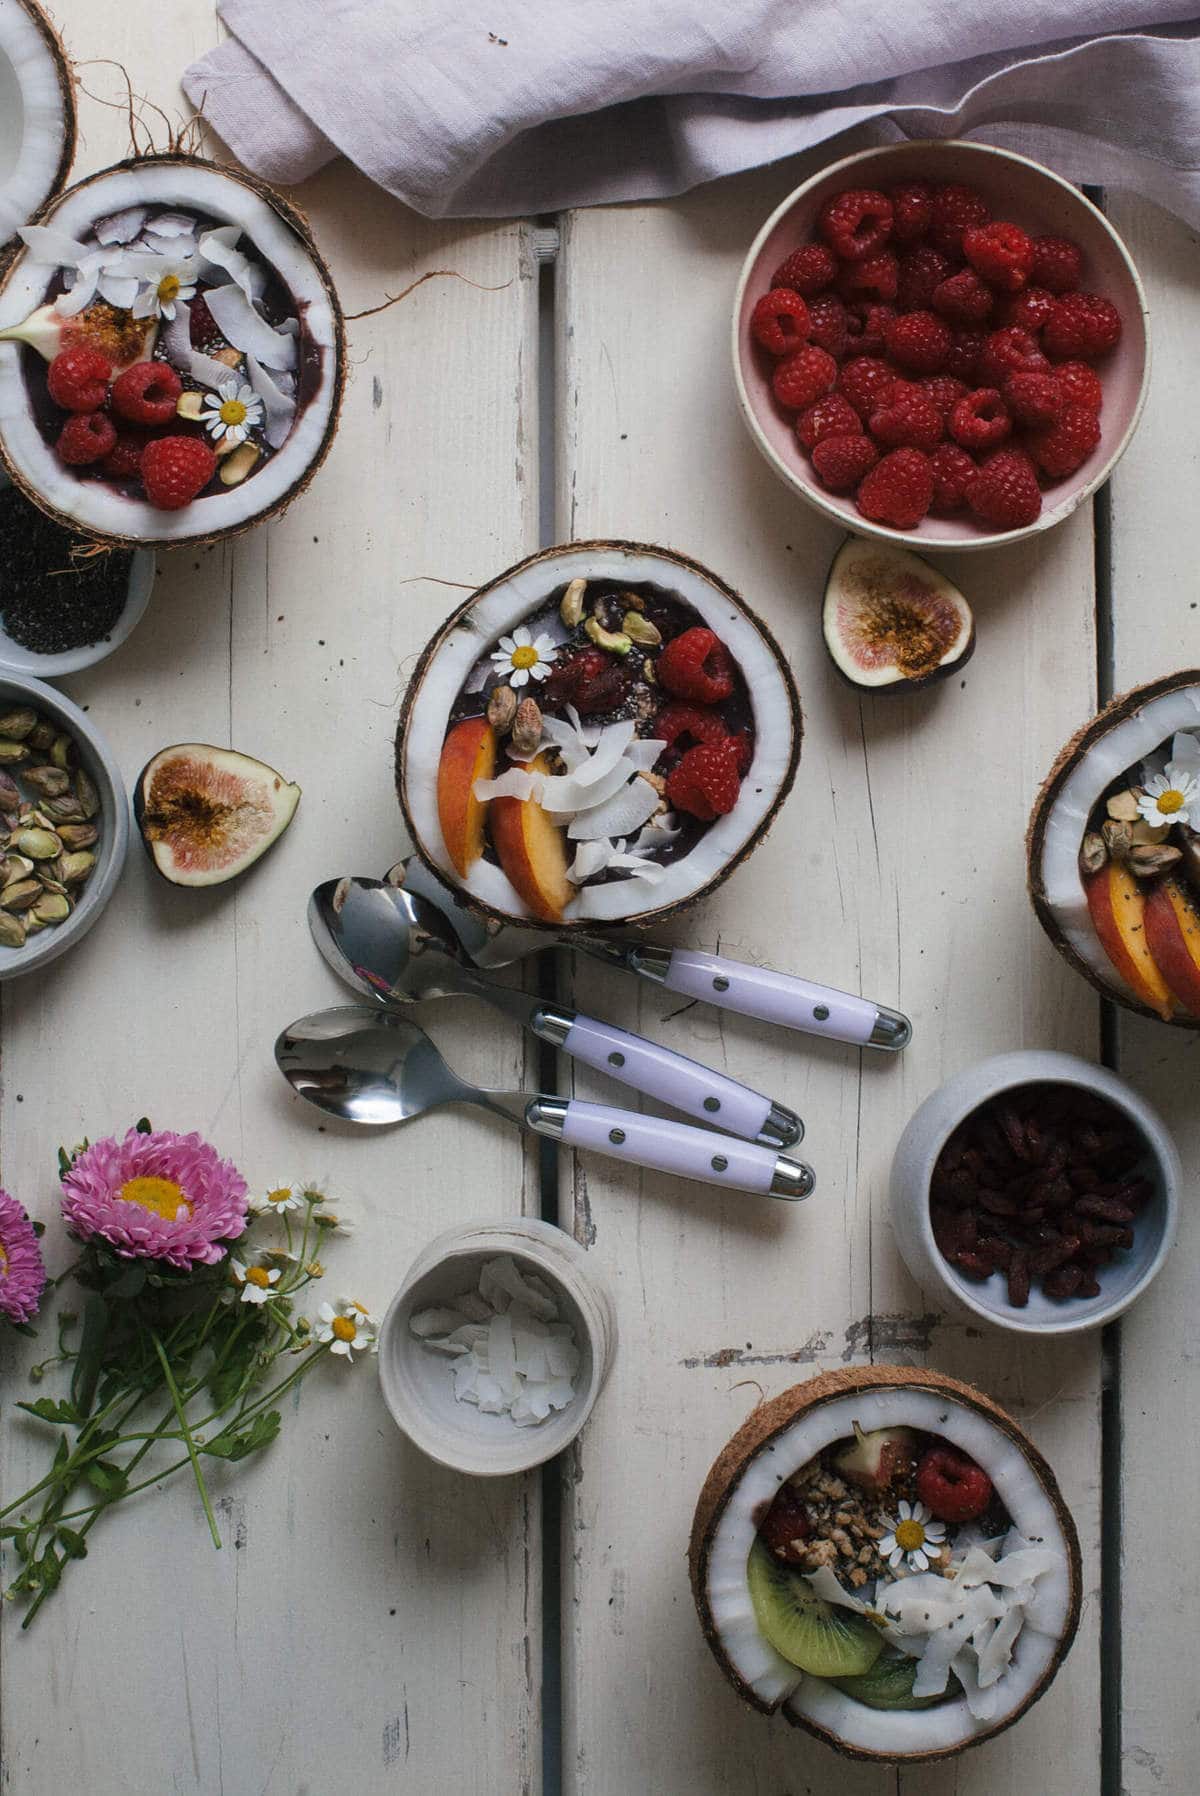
point(937, 360)
point(703, 762)
point(117, 425)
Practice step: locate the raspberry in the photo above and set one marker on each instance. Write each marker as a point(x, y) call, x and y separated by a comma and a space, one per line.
point(919, 341)
point(964, 299)
point(84, 438)
point(590, 680)
point(856, 223)
point(807, 270)
point(1007, 350)
point(921, 272)
point(966, 349)
point(872, 321)
point(77, 380)
point(779, 321)
point(1057, 264)
point(1033, 397)
point(981, 420)
point(1082, 324)
point(705, 784)
point(1080, 385)
point(908, 418)
point(865, 380)
point(146, 393)
point(877, 277)
point(175, 469)
point(828, 325)
point(124, 459)
point(944, 390)
point(955, 210)
point(952, 469)
point(686, 726)
point(912, 210)
point(953, 1486)
point(697, 666)
point(1004, 492)
point(1065, 445)
point(832, 416)
point(802, 378)
point(743, 743)
point(1029, 309)
point(841, 462)
point(899, 490)
point(1001, 253)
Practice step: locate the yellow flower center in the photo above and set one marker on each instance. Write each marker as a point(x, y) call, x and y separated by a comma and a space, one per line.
point(233, 412)
point(525, 656)
point(3, 1259)
point(344, 1328)
point(163, 1197)
point(910, 1536)
point(258, 1275)
point(168, 288)
point(1169, 802)
point(280, 1195)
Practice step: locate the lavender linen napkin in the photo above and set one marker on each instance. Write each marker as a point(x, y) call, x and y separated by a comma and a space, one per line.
point(528, 106)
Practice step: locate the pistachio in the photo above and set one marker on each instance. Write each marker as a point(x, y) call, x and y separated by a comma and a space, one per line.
point(1147, 833)
point(32, 924)
point(10, 795)
point(21, 894)
point(189, 405)
point(87, 794)
point(1123, 807)
point(62, 753)
point(613, 640)
point(527, 727)
point(54, 811)
point(649, 674)
point(1145, 859)
point(73, 869)
point(1093, 853)
point(502, 708)
point(41, 736)
point(1118, 838)
point(12, 931)
point(231, 357)
point(640, 629)
point(50, 782)
point(52, 907)
point(48, 874)
point(235, 467)
point(14, 867)
point(570, 607)
point(18, 723)
point(78, 835)
point(11, 752)
point(38, 844)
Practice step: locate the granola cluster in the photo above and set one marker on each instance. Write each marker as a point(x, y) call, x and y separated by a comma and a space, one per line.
point(847, 1525)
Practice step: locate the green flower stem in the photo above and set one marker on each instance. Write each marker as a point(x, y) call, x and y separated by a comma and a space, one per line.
point(169, 1376)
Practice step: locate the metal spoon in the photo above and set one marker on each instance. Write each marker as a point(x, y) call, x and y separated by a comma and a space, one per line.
point(730, 984)
point(395, 947)
point(374, 1067)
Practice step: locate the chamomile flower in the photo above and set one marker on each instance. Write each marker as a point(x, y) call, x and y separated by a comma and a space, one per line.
point(278, 1199)
point(334, 1222)
point(164, 287)
point(348, 1329)
point(524, 657)
point(233, 411)
point(914, 1538)
point(256, 1282)
point(1171, 797)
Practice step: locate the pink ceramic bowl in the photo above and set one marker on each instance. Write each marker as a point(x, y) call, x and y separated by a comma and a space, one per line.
point(1018, 190)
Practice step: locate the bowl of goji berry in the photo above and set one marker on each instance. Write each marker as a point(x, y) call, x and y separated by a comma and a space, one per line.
point(940, 343)
point(1037, 1191)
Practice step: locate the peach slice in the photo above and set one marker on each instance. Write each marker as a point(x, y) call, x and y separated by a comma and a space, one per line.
point(1118, 908)
point(532, 851)
point(1173, 935)
point(468, 754)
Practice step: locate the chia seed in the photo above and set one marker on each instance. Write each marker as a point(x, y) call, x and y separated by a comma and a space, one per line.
point(48, 602)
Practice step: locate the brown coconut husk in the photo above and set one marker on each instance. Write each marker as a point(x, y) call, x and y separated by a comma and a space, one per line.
point(1124, 705)
point(66, 87)
point(645, 919)
point(771, 1419)
point(297, 222)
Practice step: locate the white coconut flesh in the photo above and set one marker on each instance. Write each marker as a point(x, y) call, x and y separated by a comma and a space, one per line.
point(511, 602)
point(883, 603)
point(890, 1733)
point(35, 114)
point(102, 510)
point(1116, 754)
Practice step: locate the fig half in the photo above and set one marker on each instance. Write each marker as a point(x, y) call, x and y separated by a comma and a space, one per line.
point(891, 621)
point(206, 814)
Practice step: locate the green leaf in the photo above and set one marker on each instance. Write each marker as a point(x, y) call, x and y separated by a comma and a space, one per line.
point(142, 1125)
point(91, 1351)
point(232, 1444)
point(130, 1282)
point(48, 1410)
point(74, 1546)
point(49, 1568)
point(109, 1479)
point(62, 1453)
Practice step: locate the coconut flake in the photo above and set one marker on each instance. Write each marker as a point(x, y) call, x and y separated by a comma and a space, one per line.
point(217, 248)
point(171, 224)
point(514, 783)
point(278, 409)
point(434, 1322)
point(120, 227)
point(621, 815)
point(240, 324)
point(518, 1359)
point(56, 248)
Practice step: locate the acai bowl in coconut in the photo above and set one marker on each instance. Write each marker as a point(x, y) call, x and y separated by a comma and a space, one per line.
point(600, 735)
point(37, 114)
point(171, 354)
point(883, 1554)
point(1114, 850)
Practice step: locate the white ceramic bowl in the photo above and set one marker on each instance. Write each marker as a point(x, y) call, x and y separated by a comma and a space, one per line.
point(1018, 190)
point(418, 1382)
point(1121, 1283)
point(97, 760)
point(14, 658)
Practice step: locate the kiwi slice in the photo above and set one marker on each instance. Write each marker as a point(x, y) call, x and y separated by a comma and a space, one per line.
point(888, 1685)
point(810, 1633)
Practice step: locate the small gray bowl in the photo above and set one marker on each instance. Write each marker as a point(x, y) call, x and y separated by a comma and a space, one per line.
point(1121, 1283)
point(97, 760)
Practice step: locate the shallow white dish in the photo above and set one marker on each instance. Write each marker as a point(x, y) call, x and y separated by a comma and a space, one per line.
point(418, 1383)
point(16, 659)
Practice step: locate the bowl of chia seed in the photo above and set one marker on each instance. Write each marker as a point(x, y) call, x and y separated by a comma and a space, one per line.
point(58, 612)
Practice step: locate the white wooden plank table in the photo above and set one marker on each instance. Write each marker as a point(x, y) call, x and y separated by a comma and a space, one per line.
point(374, 1622)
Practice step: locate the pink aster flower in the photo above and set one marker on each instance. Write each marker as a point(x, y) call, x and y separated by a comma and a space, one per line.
point(160, 1196)
point(22, 1274)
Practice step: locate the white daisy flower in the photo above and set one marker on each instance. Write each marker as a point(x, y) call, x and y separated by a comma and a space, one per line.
point(278, 1199)
point(234, 410)
point(524, 657)
point(1171, 797)
point(256, 1282)
point(164, 287)
point(349, 1327)
point(914, 1538)
point(335, 1222)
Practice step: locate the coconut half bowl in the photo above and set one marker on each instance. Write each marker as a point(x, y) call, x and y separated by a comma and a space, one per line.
point(783, 1435)
point(37, 115)
point(1019, 191)
point(1114, 743)
point(275, 235)
point(507, 601)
